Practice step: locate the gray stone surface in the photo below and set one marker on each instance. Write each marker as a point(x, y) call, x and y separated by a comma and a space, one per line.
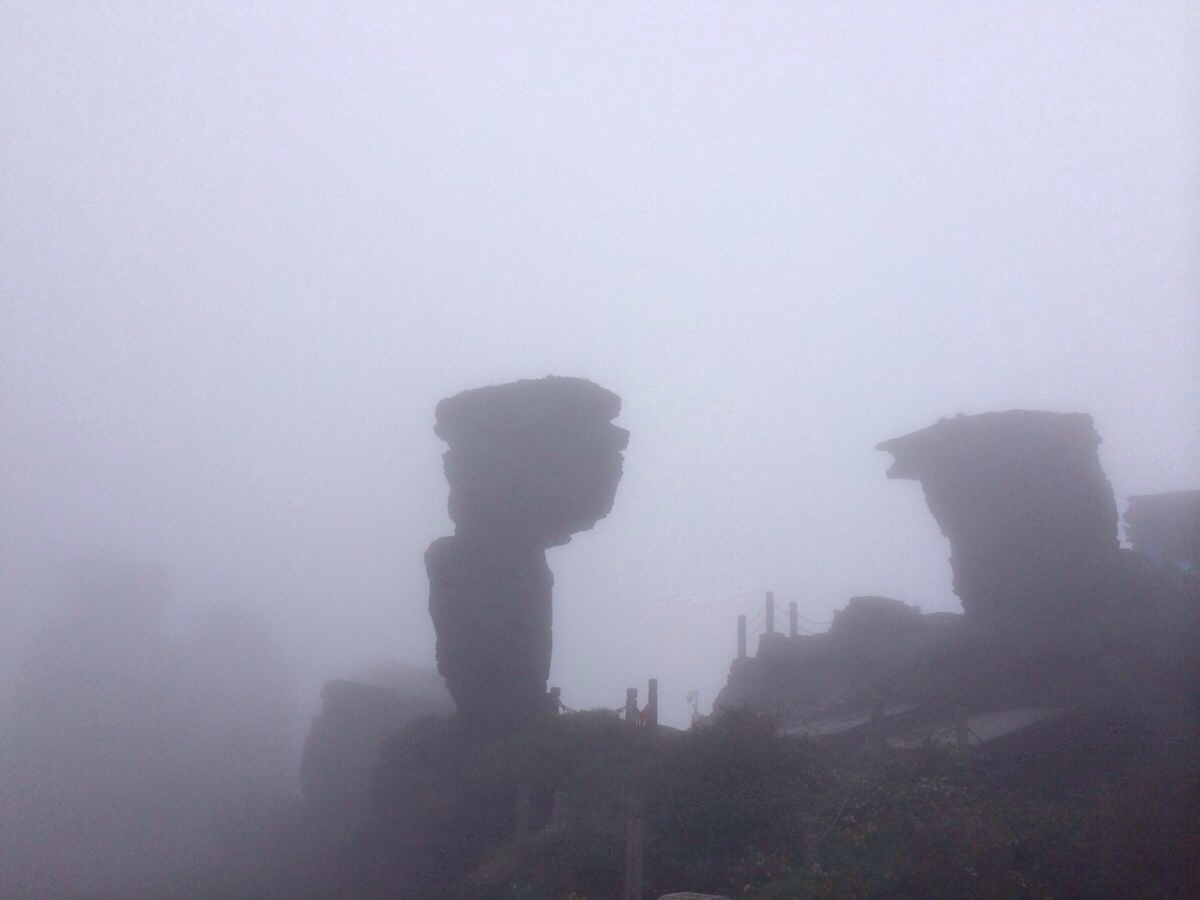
point(536, 461)
point(529, 464)
point(811, 675)
point(1057, 616)
point(344, 745)
point(1166, 528)
point(1029, 513)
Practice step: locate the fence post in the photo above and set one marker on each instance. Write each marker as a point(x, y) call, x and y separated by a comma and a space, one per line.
point(633, 852)
point(741, 637)
point(808, 851)
point(522, 811)
point(793, 619)
point(876, 728)
point(560, 812)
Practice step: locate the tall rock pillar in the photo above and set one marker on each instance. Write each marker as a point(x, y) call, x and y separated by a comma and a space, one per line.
point(530, 463)
point(1028, 510)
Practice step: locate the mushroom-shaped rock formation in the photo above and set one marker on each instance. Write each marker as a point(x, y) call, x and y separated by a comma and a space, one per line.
point(530, 463)
point(1028, 510)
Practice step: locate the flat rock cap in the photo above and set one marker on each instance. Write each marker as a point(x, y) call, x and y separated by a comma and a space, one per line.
point(529, 402)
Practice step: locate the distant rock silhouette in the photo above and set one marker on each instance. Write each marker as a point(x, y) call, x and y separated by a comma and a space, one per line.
point(868, 641)
point(405, 679)
point(1056, 614)
point(127, 745)
point(1166, 528)
point(530, 463)
point(343, 746)
point(1028, 510)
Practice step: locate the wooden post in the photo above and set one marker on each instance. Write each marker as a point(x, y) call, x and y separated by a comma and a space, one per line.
point(560, 812)
point(652, 704)
point(631, 710)
point(793, 619)
point(962, 733)
point(633, 852)
point(877, 716)
point(770, 612)
point(522, 811)
point(808, 850)
point(741, 637)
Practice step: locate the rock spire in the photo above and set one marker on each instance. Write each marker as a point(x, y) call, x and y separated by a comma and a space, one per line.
point(529, 464)
point(1028, 510)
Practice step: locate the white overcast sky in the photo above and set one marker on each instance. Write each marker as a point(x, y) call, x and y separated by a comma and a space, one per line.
point(246, 247)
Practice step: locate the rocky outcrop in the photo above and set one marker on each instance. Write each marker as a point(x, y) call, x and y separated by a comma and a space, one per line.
point(491, 607)
point(1166, 528)
point(344, 746)
point(529, 464)
point(868, 642)
point(1028, 510)
point(1058, 617)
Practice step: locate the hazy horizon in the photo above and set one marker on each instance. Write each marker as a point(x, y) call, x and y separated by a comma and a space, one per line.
point(246, 248)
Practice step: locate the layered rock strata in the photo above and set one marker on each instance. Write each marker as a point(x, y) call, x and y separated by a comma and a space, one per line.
point(1025, 504)
point(529, 464)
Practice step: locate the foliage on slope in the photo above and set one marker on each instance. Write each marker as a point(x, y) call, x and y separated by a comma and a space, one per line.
point(1098, 804)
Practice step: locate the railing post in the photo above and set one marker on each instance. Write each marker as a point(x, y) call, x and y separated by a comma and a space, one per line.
point(560, 812)
point(633, 852)
point(522, 811)
point(741, 637)
point(875, 738)
point(809, 851)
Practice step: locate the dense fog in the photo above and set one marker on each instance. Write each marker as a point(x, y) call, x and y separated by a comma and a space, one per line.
point(246, 248)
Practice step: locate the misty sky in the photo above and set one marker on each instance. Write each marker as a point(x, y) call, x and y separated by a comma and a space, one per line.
point(245, 248)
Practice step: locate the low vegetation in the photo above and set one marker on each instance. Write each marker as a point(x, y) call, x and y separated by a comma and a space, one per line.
point(729, 806)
